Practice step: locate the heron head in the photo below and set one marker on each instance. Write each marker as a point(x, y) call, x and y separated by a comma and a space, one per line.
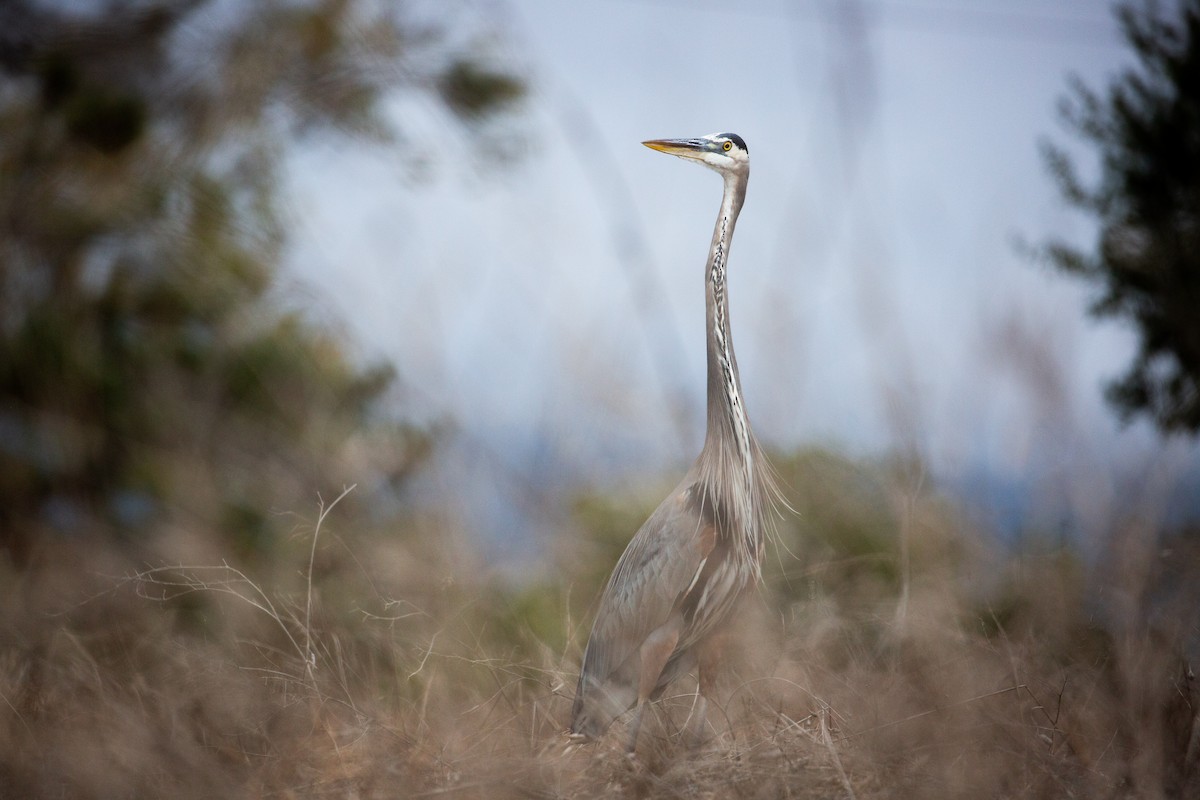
point(724, 152)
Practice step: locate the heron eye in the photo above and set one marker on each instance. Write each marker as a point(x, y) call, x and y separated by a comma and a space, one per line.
point(727, 146)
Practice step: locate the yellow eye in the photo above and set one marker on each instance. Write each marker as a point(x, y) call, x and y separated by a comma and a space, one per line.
point(727, 146)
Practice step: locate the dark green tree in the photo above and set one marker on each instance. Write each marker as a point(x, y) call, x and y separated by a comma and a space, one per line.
point(1146, 260)
point(149, 370)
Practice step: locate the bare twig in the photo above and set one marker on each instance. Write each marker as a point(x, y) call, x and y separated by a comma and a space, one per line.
point(310, 658)
point(827, 740)
point(922, 714)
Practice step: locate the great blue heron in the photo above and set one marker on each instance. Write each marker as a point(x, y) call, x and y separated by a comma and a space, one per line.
point(672, 591)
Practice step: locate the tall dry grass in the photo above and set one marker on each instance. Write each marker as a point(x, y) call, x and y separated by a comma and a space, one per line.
point(373, 663)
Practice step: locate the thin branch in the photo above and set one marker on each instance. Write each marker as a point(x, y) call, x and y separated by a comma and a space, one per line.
point(921, 714)
point(323, 511)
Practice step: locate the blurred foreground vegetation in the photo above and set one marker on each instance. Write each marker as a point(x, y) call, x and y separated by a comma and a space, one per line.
point(892, 652)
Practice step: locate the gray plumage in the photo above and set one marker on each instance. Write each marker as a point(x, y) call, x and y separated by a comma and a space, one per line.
point(673, 588)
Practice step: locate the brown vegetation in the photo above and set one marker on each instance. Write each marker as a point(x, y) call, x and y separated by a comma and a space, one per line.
point(403, 669)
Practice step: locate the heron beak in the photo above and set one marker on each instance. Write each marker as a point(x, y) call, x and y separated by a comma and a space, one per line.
point(684, 148)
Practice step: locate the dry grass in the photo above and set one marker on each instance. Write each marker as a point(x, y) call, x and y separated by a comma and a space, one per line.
point(378, 666)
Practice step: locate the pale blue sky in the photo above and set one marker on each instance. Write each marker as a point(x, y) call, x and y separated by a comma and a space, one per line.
point(554, 308)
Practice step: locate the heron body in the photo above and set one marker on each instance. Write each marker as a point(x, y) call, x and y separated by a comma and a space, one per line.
point(671, 593)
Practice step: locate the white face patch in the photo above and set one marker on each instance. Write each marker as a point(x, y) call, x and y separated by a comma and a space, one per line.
point(723, 161)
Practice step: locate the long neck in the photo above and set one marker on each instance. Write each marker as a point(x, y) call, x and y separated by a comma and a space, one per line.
point(728, 434)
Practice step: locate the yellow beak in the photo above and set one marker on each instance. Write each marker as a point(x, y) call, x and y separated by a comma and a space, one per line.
point(685, 148)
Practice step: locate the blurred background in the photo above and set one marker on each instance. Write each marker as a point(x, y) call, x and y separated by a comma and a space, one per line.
point(252, 254)
point(889, 284)
point(447, 216)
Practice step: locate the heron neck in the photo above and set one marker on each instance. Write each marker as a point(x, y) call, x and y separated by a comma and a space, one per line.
point(728, 427)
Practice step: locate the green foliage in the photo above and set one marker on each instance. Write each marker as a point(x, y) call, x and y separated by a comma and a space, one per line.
point(527, 619)
point(148, 370)
point(607, 523)
point(1147, 201)
point(473, 91)
point(844, 521)
point(108, 122)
